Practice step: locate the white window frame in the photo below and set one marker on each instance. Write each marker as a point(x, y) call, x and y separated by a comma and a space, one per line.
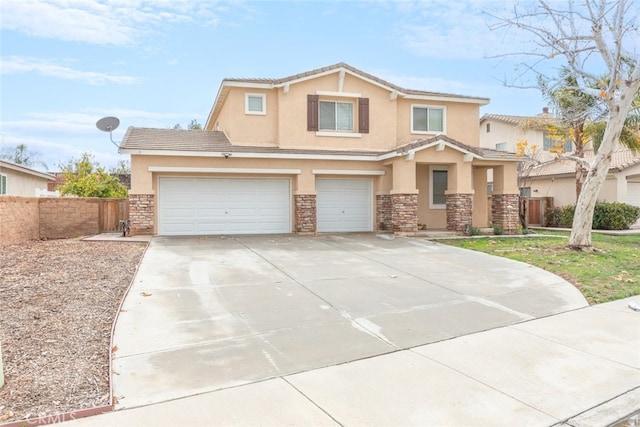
point(430, 107)
point(255, 95)
point(431, 170)
point(4, 178)
point(353, 119)
point(501, 146)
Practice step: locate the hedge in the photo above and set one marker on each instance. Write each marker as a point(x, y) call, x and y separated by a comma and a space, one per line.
point(606, 216)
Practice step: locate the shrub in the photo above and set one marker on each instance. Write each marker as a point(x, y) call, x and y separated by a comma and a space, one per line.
point(497, 230)
point(553, 217)
point(566, 216)
point(474, 231)
point(606, 216)
point(614, 216)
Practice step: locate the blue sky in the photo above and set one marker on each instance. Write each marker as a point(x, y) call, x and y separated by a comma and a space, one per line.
point(67, 63)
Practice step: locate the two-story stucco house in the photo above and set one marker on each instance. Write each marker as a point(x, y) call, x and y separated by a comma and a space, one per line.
point(329, 150)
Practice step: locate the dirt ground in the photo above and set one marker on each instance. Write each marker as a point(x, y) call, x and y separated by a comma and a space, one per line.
point(58, 301)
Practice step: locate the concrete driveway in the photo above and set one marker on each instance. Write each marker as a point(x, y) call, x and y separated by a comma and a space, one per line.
point(210, 313)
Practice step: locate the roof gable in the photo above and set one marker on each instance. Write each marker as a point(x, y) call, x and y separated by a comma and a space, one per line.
point(341, 67)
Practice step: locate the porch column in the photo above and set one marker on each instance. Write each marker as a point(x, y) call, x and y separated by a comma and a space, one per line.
point(404, 197)
point(142, 208)
point(505, 201)
point(480, 202)
point(459, 196)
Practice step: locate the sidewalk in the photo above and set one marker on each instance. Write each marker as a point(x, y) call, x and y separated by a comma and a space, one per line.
point(579, 368)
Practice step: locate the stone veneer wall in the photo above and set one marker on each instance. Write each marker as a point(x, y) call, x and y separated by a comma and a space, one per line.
point(305, 211)
point(404, 213)
point(459, 211)
point(384, 212)
point(505, 212)
point(142, 213)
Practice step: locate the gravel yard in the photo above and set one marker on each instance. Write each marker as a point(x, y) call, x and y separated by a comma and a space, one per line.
point(58, 301)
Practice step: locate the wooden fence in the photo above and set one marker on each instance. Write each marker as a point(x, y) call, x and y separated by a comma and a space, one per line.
point(111, 212)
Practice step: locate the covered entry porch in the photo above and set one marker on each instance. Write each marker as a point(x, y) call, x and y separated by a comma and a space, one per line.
point(442, 185)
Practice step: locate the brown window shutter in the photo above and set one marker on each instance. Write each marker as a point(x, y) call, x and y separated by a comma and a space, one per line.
point(363, 115)
point(312, 112)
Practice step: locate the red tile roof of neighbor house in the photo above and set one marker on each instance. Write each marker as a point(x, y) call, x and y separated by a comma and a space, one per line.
point(620, 159)
point(196, 141)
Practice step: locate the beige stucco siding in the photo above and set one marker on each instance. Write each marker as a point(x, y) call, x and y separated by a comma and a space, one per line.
point(509, 133)
point(563, 190)
point(285, 122)
point(461, 121)
point(143, 181)
point(22, 184)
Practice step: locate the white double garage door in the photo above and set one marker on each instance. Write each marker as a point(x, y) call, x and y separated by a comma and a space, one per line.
point(210, 206)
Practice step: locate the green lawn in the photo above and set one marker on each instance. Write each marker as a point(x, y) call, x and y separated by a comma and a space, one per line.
point(611, 272)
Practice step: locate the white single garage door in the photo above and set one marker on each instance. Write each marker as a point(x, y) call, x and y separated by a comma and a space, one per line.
point(201, 206)
point(343, 205)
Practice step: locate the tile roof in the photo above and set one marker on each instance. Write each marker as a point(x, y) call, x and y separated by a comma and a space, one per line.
point(620, 159)
point(355, 71)
point(516, 120)
point(152, 139)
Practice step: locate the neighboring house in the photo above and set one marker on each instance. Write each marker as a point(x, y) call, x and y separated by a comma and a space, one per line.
point(18, 180)
point(330, 150)
point(503, 132)
point(557, 179)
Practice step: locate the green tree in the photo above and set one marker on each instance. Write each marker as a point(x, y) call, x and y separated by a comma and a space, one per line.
point(85, 178)
point(21, 155)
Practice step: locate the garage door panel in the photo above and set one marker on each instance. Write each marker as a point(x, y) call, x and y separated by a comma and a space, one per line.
point(344, 205)
point(223, 206)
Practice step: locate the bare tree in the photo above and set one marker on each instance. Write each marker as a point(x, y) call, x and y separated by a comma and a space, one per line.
point(591, 38)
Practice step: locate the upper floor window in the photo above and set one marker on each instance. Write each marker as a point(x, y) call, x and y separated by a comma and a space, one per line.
point(501, 146)
point(488, 127)
point(426, 119)
point(3, 184)
point(338, 118)
point(334, 115)
point(255, 103)
point(553, 143)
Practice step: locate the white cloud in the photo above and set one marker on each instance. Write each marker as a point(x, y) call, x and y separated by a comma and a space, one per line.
point(106, 22)
point(19, 64)
point(453, 29)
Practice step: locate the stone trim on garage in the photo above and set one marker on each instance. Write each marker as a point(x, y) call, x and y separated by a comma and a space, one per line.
point(305, 213)
point(384, 212)
point(142, 213)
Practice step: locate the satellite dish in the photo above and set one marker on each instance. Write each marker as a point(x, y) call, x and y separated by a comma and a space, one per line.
point(109, 124)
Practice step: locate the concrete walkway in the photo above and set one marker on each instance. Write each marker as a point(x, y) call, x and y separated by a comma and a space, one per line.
point(363, 330)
